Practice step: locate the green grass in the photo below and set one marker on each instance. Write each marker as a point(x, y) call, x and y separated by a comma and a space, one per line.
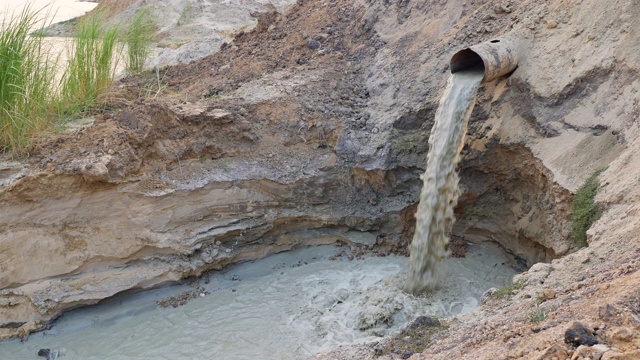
point(138, 38)
point(91, 66)
point(536, 315)
point(414, 338)
point(585, 210)
point(33, 94)
point(508, 291)
point(154, 87)
point(27, 75)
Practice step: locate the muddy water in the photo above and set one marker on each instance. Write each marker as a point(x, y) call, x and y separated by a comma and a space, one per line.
point(287, 306)
point(434, 217)
point(56, 10)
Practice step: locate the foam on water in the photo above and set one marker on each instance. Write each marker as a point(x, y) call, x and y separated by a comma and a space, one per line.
point(281, 308)
point(434, 217)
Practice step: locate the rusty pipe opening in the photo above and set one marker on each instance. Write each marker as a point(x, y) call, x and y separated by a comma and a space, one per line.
point(497, 57)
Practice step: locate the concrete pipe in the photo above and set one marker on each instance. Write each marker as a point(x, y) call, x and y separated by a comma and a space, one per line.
point(498, 57)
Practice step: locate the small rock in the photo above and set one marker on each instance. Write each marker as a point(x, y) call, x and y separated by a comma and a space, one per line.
point(313, 44)
point(622, 334)
point(579, 334)
point(218, 114)
point(502, 9)
point(607, 312)
point(546, 294)
point(551, 24)
point(601, 348)
point(583, 352)
point(49, 354)
point(320, 37)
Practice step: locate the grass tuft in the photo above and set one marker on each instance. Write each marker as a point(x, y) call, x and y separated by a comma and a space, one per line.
point(138, 39)
point(27, 75)
point(32, 94)
point(156, 86)
point(585, 210)
point(92, 65)
point(537, 314)
point(508, 291)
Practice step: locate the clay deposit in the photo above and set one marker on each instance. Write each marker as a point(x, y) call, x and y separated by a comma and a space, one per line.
point(312, 128)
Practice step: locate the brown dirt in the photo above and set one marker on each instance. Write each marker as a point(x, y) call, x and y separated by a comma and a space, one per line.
point(147, 135)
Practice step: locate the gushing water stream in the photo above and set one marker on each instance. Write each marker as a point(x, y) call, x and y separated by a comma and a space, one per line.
point(434, 217)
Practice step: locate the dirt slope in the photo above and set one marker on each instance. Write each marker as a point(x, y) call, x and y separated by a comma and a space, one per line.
point(312, 128)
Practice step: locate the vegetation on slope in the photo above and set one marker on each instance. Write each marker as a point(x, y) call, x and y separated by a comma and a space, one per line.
point(138, 38)
point(91, 66)
point(27, 82)
point(36, 90)
point(585, 210)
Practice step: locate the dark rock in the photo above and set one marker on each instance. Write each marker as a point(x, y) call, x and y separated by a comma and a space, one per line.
point(320, 37)
point(579, 334)
point(46, 353)
point(407, 354)
point(313, 44)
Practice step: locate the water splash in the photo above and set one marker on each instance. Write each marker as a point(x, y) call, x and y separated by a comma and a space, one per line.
point(284, 307)
point(434, 217)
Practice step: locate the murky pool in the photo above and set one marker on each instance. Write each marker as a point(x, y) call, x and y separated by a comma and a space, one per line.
point(287, 306)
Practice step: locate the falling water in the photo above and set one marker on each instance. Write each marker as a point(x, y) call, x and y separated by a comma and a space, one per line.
point(439, 196)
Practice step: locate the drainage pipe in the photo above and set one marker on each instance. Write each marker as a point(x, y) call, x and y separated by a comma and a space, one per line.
point(498, 57)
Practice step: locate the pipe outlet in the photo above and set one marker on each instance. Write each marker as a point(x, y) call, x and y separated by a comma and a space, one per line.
point(498, 57)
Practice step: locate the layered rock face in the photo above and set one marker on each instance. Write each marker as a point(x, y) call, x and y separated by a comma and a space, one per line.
point(235, 162)
point(312, 129)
